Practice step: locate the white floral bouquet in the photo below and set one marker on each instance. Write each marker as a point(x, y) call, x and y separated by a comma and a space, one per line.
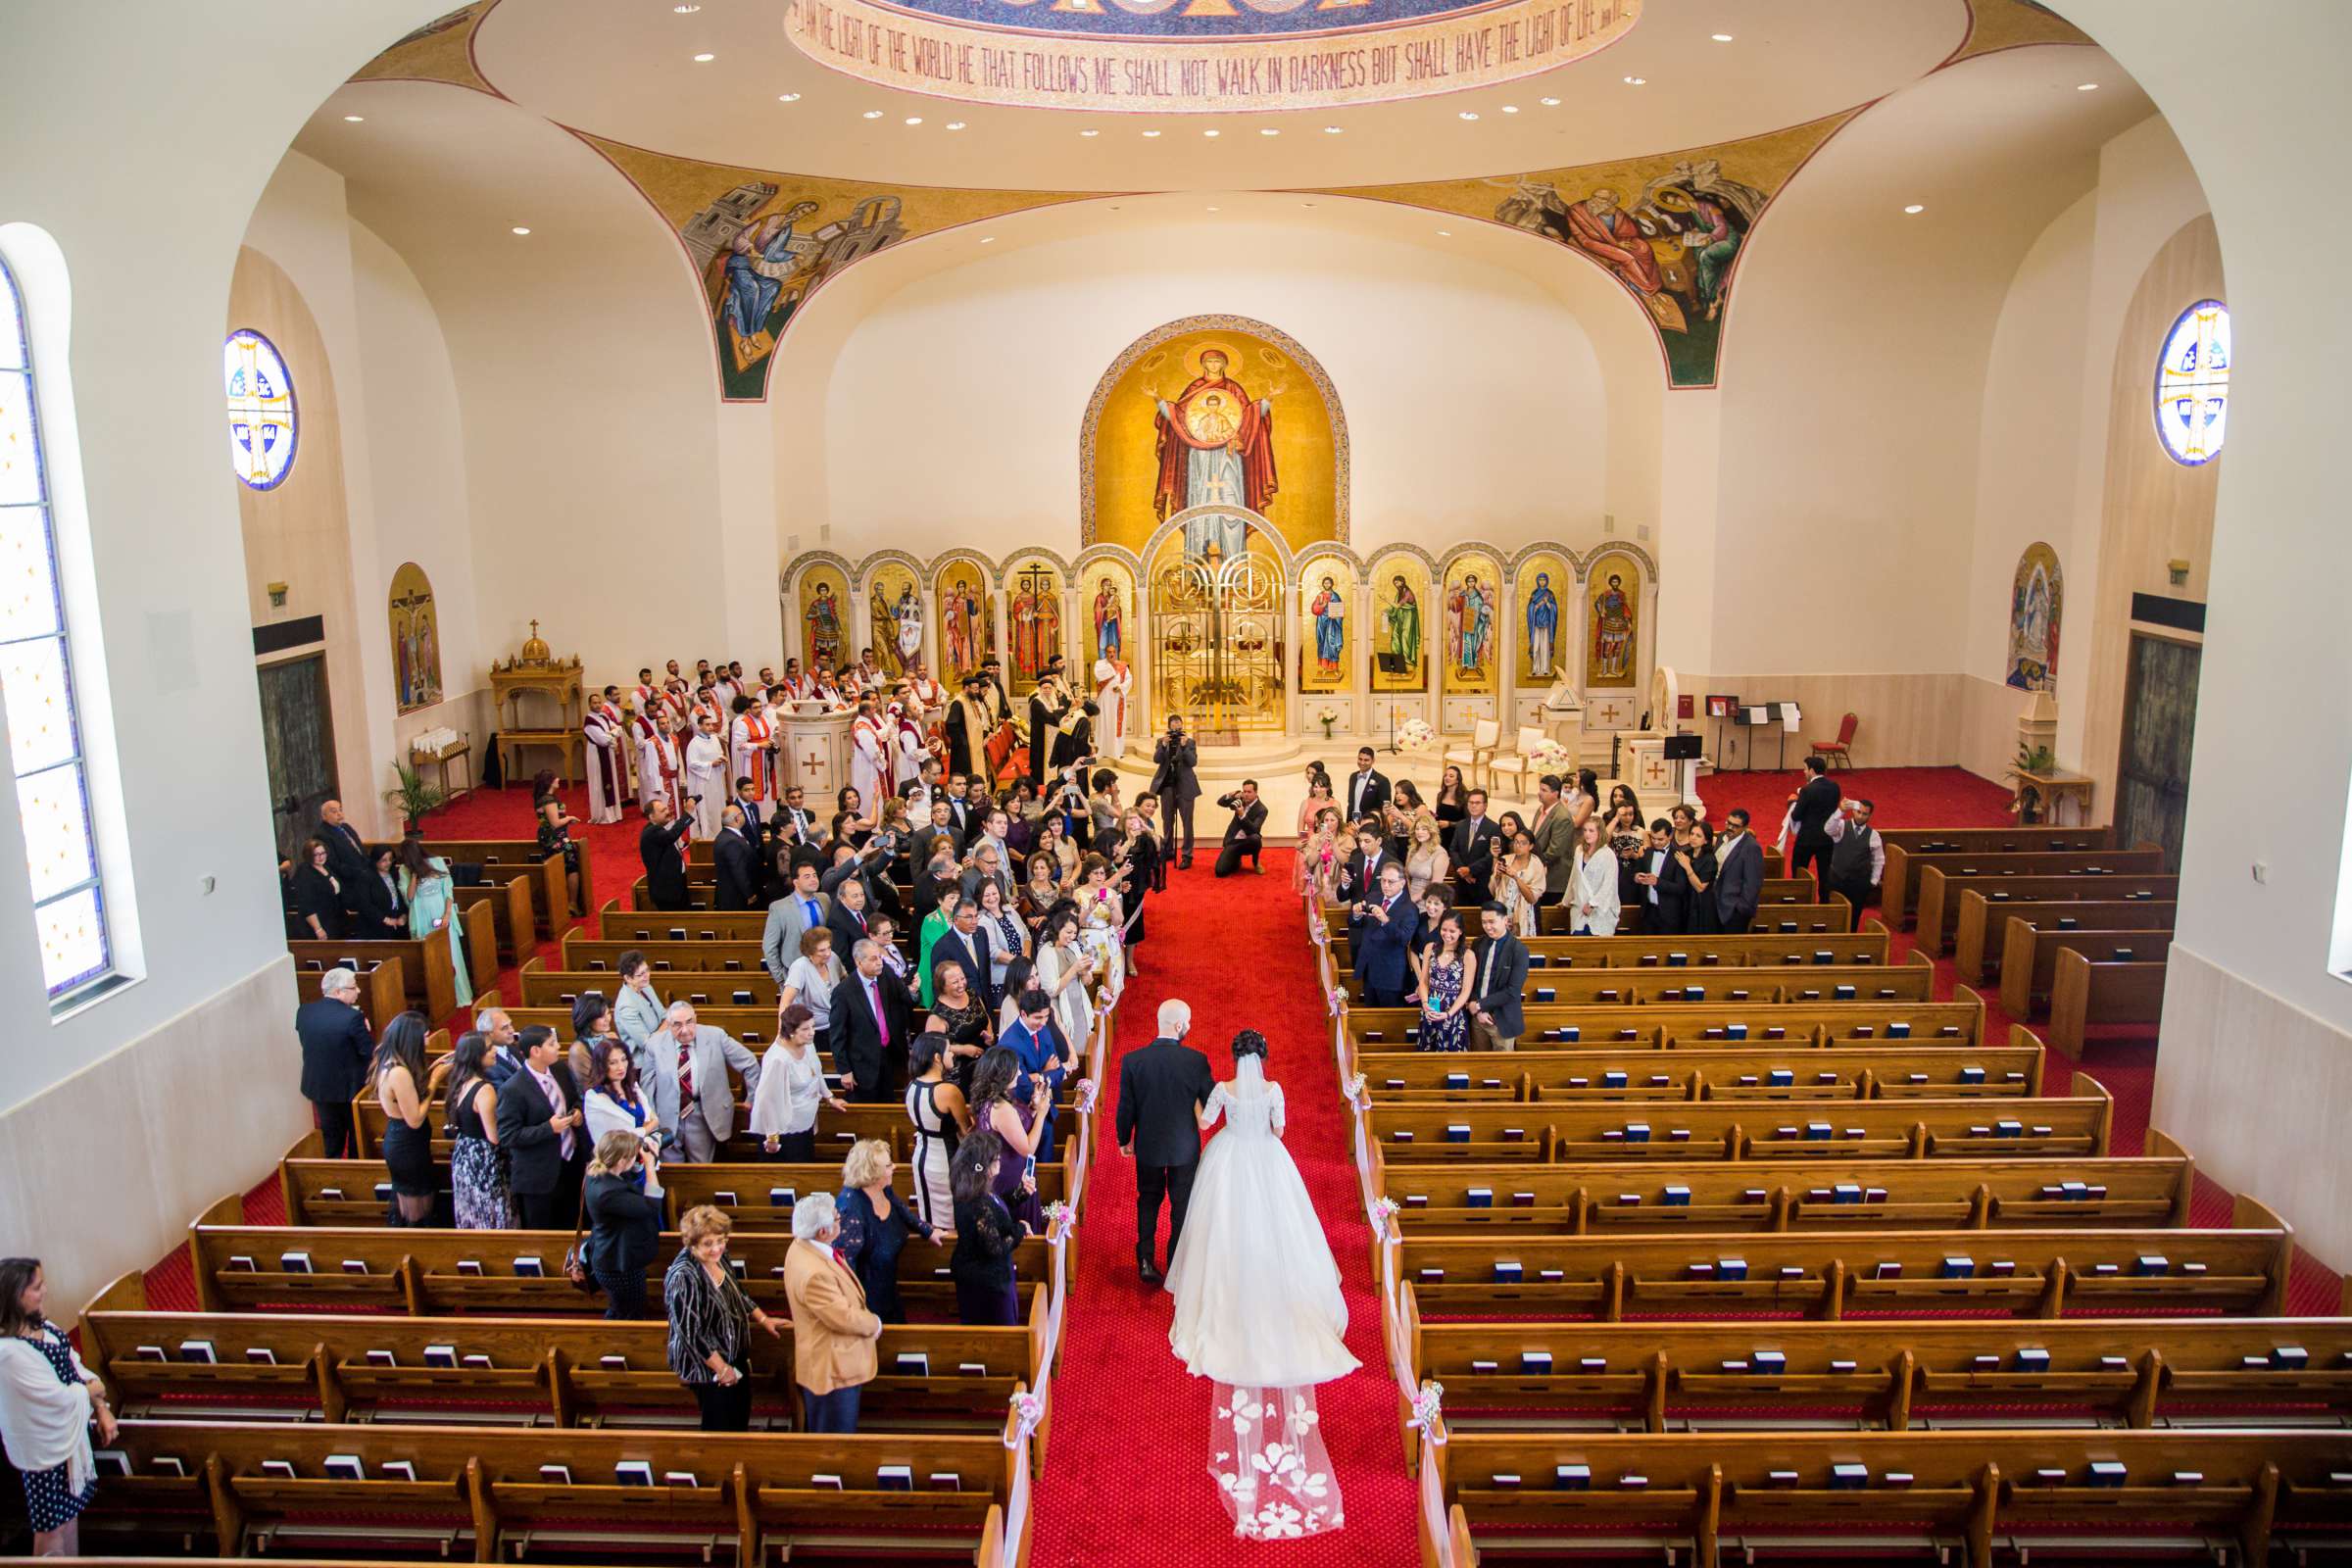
point(1551, 757)
point(1415, 734)
point(1327, 715)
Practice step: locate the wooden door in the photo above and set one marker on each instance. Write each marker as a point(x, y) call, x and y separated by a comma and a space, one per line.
point(298, 737)
point(2160, 720)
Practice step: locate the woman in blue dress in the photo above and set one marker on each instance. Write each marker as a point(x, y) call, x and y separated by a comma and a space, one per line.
point(1447, 970)
point(48, 1402)
point(424, 881)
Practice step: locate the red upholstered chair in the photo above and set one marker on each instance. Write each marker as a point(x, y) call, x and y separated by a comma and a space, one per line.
point(1840, 750)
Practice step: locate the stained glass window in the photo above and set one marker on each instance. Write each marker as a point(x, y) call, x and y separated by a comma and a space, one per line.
point(2192, 384)
point(36, 687)
point(261, 409)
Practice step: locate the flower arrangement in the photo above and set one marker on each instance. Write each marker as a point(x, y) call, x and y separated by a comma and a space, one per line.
point(1082, 1098)
point(1028, 1409)
point(1354, 1090)
point(1427, 1406)
point(1552, 758)
point(1384, 1209)
point(1057, 1216)
point(1327, 716)
point(1415, 734)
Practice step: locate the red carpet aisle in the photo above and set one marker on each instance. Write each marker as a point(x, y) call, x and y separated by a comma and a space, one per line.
point(1127, 1475)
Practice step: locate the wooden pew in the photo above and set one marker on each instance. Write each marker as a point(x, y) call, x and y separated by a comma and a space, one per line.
point(1941, 883)
point(383, 992)
point(1800, 1071)
point(754, 1027)
point(1717, 1493)
point(433, 1273)
point(1976, 930)
point(487, 1493)
point(1552, 918)
point(551, 896)
point(356, 1193)
point(2048, 1274)
point(1869, 944)
point(1738, 1130)
point(1669, 1024)
point(1885, 1373)
point(754, 986)
point(1909, 848)
point(2085, 991)
point(334, 1366)
point(694, 951)
point(2030, 957)
point(1911, 980)
point(425, 968)
point(1831, 1194)
point(615, 922)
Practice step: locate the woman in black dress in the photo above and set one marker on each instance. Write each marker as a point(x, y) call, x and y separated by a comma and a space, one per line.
point(1139, 853)
point(1453, 801)
point(986, 1234)
point(622, 1201)
point(318, 897)
point(875, 1224)
point(1695, 848)
point(554, 838)
point(399, 1075)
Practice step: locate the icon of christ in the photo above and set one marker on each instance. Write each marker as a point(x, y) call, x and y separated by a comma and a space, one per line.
point(1216, 448)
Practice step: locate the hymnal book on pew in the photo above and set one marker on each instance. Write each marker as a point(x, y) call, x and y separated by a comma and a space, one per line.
point(335, 1193)
point(1781, 1078)
point(1984, 1363)
point(782, 1197)
point(1678, 1196)
point(1959, 1268)
point(170, 1464)
point(1636, 1132)
point(345, 1467)
point(355, 1265)
point(2004, 1268)
point(441, 1356)
point(613, 1363)
point(1523, 1199)
point(475, 1361)
point(1551, 1276)
point(1732, 1367)
point(1479, 1198)
point(530, 1267)
point(2009, 1129)
point(1507, 1272)
point(1787, 1479)
point(895, 1478)
point(1896, 1478)
point(198, 1351)
point(469, 1268)
point(1731, 1269)
point(743, 999)
point(2106, 1473)
point(1432, 1275)
point(1457, 1080)
point(1792, 1271)
point(943, 1481)
point(1629, 1199)
point(1417, 1199)
point(970, 1369)
point(1969, 1075)
point(1899, 1030)
point(1504, 1480)
point(260, 1355)
point(825, 1483)
point(2031, 1359)
point(912, 1364)
point(279, 1469)
point(2050, 1476)
point(679, 1478)
point(2290, 1358)
point(1700, 1271)
point(2188, 1478)
point(1631, 1482)
point(1457, 1132)
point(294, 1262)
point(242, 1263)
point(112, 1462)
point(1735, 1031)
point(1401, 1135)
point(633, 1473)
point(677, 933)
point(1848, 1477)
point(2120, 956)
point(724, 1197)
point(1535, 1363)
point(398, 1470)
point(1842, 994)
point(1612, 1080)
point(152, 1352)
point(1572, 1478)
point(2115, 1363)
point(1769, 1363)
point(1887, 1271)
point(556, 1475)
point(382, 1358)
point(1817, 1132)
point(2152, 1263)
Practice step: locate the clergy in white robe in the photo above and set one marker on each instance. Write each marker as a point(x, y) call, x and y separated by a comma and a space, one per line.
point(751, 748)
point(708, 786)
point(1113, 680)
point(869, 757)
point(907, 748)
point(608, 773)
point(657, 758)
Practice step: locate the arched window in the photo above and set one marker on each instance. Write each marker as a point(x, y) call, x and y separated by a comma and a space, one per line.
point(45, 731)
point(262, 428)
point(2192, 384)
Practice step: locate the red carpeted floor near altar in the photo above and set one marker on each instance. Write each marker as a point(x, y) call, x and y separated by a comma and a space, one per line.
point(1126, 1477)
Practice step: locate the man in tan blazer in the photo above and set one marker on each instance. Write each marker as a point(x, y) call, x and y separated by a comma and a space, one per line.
point(1554, 833)
point(833, 1334)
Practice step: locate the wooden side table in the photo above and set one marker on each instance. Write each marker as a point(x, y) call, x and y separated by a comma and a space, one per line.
point(2058, 786)
point(441, 759)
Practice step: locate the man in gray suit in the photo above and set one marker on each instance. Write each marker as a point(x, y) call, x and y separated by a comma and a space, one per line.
point(686, 1060)
point(1739, 876)
point(794, 913)
point(638, 1011)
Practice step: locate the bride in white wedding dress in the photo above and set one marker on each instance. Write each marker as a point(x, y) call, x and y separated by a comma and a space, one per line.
point(1258, 1309)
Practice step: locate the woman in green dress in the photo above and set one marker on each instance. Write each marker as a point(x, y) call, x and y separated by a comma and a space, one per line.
point(424, 881)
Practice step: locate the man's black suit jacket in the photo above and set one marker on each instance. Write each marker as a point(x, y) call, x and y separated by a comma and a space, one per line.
point(949, 949)
point(1501, 981)
point(346, 855)
point(1376, 796)
point(1813, 808)
point(335, 1050)
point(665, 868)
point(1360, 881)
point(1248, 825)
point(1161, 1090)
point(849, 929)
point(859, 1042)
point(1383, 951)
point(738, 870)
point(534, 1151)
point(1172, 768)
point(1472, 848)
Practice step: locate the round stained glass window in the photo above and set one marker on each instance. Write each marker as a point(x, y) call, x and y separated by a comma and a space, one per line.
point(2192, 384)
point(260, 409)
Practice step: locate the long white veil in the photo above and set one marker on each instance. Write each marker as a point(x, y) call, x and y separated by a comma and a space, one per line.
point(1266, 1443)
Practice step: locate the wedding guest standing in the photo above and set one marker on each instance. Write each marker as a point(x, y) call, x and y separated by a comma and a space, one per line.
point(875, 1224)
point(48, 1403)
point(941, 1119)
point(622, 1202)
point(399, 1076)
point(792, 1086)
point(1593, 898)
point(1447, 969)
point(711, 1322)
point(380, 913)
point(986, 1234)
point(477, 1168)
point(335, 1050)
point(834, 1326)
point(541, 1124)
point(613, 1095)
point(433, 895)
point(317, 895)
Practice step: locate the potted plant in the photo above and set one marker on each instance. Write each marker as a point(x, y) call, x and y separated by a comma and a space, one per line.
point(2026, 805)
point(416, 795)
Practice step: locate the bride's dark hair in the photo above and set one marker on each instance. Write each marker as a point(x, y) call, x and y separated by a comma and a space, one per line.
point(1248, 1043)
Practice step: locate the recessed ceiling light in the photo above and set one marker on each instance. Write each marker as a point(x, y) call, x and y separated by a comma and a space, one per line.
point(1723, 37)
point(1445, 233)
point(1090, 132)
point(1637, 81)
point(519, 230)
point(1469, 113)
point(1150, 132)
point(788, 97)
point(873, 113)
point(1552, 103)
point(988, 239)
point(914, 119)
point(1510, 108)
point(685, 11)
point(1331, 131)
point(703, 60)
point(354, 118)
point(1212, 132)
point(955, 124)
point(1914, 207)
point(1269, 130)
point(2086, 86)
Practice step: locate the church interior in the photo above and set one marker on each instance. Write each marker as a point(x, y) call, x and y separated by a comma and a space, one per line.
point(688, 422)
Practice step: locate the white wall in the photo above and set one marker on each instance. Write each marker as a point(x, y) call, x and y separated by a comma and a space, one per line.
point(1477, 404)
point(123, 1119)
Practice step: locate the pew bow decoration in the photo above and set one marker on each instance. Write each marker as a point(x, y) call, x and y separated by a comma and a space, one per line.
point(1057, 1217)
point(1356, 1091)
point(1383, 1210)
point(1028, 1409)
point(1428, 1405)
point(1083, 1096)
point(1331, 999)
